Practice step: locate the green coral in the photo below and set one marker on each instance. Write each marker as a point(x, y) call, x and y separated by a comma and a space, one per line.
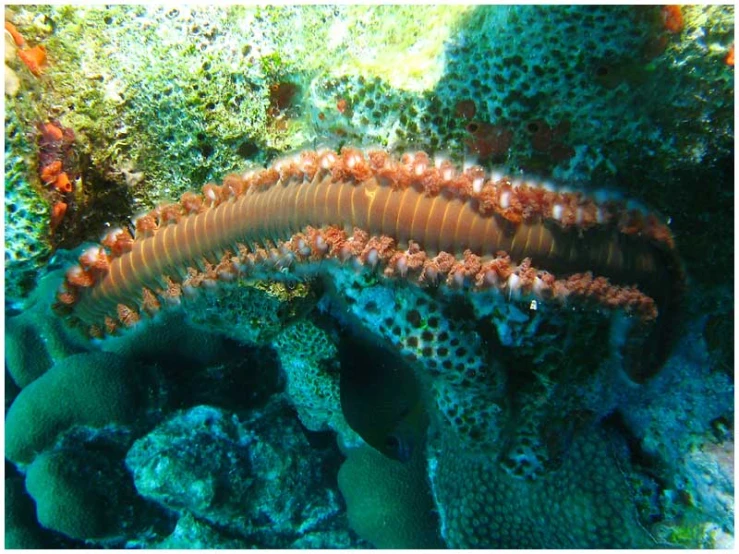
point(585, 503)
point(83, 494)
point(93, 389)
point(27, 243)
point(21, 527)
point(34, 336)
point(308, 357)
point(388, 502)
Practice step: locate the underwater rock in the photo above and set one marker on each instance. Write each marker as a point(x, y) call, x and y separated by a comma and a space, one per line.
point(191, 532)
point(233, 473)
point(196, 462)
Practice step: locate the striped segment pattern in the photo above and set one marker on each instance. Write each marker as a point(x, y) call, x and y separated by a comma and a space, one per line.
point(379, 210)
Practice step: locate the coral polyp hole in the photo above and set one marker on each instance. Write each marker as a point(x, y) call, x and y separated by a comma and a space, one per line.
point(473, 127)
point(532, 127)
point(601, 71)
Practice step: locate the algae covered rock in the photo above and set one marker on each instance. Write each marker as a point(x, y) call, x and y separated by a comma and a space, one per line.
point(233, 473)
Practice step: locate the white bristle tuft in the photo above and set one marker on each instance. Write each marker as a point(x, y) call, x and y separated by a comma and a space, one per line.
point(505, 199)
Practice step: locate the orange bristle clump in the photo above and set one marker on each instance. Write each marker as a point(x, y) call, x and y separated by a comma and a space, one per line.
point(118, 242)
point(78, 277)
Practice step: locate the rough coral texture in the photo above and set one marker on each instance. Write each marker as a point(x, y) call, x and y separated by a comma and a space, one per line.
point(447, 356)
point(251, 312)
point(232, 474)
point(583, 503)
point(308, 357)
point(27, 244)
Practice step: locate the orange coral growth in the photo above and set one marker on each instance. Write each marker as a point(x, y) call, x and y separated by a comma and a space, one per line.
point(49, 173)
point(51, 132)
point(57, 214)
point(17, 37)
point(63, 184)
point(730, 57)
point(34, 58)
point(672, 18)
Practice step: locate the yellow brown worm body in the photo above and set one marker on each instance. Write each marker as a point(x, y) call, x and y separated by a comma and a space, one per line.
point(410, 217)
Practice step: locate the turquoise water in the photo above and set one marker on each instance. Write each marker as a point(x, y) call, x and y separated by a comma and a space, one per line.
point(365, 384)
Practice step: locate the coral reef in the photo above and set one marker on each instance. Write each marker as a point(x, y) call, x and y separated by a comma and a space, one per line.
point(467, 289)
point(308, 359)
point(83, 491)
point(27, 244)
point(252, 312)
